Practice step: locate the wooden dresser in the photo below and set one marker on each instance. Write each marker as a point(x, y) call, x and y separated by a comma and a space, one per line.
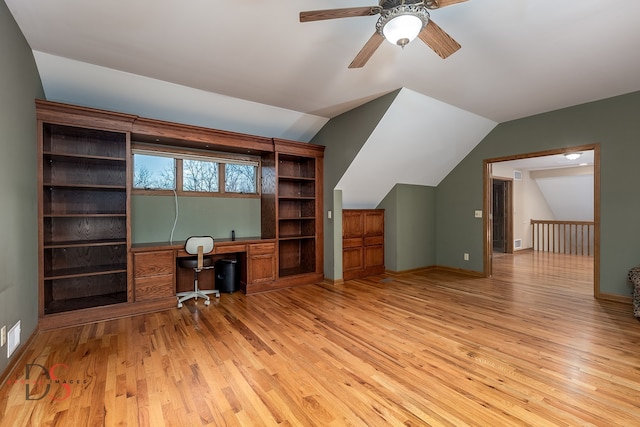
point(362, 242)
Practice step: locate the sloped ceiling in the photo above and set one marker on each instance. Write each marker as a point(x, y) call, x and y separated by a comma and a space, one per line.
point(76, 82)
point(252, 67)
point(570, 198)
point(418, 141)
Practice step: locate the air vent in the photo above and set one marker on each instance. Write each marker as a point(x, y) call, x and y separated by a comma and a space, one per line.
point(517, 244)
point(517, 175)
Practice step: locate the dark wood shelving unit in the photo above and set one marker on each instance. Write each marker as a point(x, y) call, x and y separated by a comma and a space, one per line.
point(83, 216)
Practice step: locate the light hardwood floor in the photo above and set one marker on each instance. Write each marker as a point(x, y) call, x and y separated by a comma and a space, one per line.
point(528, 347)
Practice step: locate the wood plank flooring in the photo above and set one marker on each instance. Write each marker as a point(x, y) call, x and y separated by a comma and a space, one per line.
point(529, 346)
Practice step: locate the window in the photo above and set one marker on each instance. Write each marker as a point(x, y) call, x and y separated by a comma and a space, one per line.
point(200, 176)
point(154, 172)
point(194, 174)
point(240, 178)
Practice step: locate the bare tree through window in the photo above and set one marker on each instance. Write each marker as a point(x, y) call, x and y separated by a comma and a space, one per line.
point(240, 178)
point(158, 172)
point(199, 175)
point(153, 172)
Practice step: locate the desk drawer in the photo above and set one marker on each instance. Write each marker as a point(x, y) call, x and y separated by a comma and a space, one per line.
point(262, 248)
point(153, 263)
point(229, 249)
point(150, 288)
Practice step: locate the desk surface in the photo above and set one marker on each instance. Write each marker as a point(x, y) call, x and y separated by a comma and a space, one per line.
point(179, 244)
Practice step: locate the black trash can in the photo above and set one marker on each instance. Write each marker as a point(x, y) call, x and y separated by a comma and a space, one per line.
point(227, 279)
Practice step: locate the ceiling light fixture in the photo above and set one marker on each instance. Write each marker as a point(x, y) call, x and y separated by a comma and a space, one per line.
point(572, 156)
point(401, 24)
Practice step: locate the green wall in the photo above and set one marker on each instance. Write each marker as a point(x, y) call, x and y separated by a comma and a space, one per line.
point(410, 227)
point(152, 217)
point(614, 124)
point(343, 136)
point(19, 85)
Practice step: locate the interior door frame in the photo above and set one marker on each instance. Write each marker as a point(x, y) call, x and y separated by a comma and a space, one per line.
point(487, 189)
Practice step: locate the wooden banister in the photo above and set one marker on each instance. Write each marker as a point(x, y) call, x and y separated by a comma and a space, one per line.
point(567, 237)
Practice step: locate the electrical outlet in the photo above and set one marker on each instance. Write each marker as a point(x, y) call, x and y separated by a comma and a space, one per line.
point(466, 257)
point(3, 336)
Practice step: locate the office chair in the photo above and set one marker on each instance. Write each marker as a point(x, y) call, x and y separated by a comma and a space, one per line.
point(197, 245)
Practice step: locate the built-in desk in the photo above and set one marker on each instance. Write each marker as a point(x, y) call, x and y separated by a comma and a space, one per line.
point(156, 275)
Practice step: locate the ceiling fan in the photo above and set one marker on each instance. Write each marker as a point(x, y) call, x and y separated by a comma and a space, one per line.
point(400, 22)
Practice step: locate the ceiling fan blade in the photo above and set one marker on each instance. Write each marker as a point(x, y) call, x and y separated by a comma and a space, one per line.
point(367, 51)
point(437, 4)
point(435, 37)
point(318, 15)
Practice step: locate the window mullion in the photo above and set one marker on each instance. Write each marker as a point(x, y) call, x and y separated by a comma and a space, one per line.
point(221, 178)
point(179, 180)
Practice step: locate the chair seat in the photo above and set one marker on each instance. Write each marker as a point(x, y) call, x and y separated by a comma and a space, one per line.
point(193, 262)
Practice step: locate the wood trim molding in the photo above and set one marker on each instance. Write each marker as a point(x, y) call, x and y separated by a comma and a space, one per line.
point(332, 282)
point(411, 271)
point(435, 268)
point(471, 273)
point(615, 298)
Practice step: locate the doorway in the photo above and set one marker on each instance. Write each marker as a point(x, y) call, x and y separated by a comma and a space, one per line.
point(488, 205)
point(501, 215)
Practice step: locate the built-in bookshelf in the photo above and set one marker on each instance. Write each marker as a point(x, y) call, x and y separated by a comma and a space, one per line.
point(296, 214)
point(84, 217)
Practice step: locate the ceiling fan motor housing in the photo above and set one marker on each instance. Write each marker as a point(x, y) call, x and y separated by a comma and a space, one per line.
point(390, 4)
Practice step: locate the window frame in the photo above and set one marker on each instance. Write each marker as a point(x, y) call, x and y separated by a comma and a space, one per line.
point(180, 154)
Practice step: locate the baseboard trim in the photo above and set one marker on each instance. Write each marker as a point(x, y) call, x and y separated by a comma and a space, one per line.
point(332, 282)
point(615, 298)
point(411, 271)
point(432, 268)
point(471, 273)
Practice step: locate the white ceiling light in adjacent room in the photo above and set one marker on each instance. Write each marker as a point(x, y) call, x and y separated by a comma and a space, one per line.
point(401, 24)
point(572, 156)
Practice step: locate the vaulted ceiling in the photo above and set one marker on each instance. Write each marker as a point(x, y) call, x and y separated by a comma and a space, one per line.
point(252, 67)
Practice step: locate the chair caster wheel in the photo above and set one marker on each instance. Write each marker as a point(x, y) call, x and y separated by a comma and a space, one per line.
point(217, 295)
point(179, 305)
point(207, 302)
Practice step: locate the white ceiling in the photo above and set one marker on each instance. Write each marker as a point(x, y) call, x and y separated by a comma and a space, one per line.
point(251, 66)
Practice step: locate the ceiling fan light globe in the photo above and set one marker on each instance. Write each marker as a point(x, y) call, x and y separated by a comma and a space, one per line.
point(402, 29)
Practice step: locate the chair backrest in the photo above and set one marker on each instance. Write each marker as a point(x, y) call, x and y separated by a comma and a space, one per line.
point(199, 245)
point(193, 242)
